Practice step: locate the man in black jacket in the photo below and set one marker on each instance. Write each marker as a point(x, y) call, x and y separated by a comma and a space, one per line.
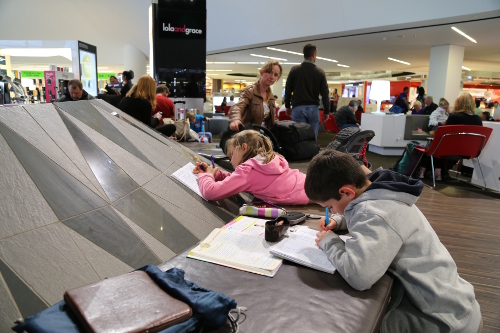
point(75, 92)
point(345, 116)
point(307, 81)
point(429, 105)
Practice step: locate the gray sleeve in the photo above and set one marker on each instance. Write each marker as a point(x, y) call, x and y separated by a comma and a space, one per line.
point(341, 222)
point(365, 258)
point(433, 119)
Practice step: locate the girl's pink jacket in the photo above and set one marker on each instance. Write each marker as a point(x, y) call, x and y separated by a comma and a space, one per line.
point(273, 182)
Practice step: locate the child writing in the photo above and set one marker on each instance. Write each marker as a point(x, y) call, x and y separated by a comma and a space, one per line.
point(390, 234)
point(195, 121)
point(258, 170)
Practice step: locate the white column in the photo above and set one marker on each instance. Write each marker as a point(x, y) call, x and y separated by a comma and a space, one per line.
point(277, 88)
point(445, 71)
point(134, 59)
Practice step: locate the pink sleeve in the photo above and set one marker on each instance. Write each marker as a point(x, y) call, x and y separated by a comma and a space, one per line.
point(232, 184)
point(221, 175)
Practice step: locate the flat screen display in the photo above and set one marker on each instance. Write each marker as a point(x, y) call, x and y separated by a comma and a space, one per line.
point(88, 67)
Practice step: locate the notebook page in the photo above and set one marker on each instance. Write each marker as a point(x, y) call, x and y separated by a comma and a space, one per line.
point(186, 176)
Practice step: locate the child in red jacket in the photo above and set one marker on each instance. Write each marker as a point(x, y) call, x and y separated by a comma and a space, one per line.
point(258, 170)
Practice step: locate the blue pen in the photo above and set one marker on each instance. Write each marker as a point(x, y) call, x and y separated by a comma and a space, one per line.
point(212, 159)
point(326, 221)
point(201, 164)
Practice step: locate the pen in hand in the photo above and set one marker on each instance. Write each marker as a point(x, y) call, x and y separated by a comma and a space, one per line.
point(212, 159)
point(201, 164)
point(326, 213)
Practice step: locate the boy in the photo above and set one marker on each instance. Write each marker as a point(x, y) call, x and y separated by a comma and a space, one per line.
point(195, 121)
point(390, 234)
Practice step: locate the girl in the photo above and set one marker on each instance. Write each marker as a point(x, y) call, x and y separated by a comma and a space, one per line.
point(258, 170)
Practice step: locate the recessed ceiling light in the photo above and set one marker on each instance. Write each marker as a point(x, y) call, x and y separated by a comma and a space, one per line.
point(464, 34)
point(223, 70)
point(248, 63)
point(401, 61)
point(333, 82)
point(326, 59)
point(342, 65)
point(292, 63)
point(466, 68)
point(208, 62)
point(263, 56)
point(224, 62)
point(280, 50)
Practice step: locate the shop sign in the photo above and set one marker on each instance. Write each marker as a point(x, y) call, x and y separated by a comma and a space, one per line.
point(182, 25)
point(105, 76)
point(2, 60)
point(32, 74)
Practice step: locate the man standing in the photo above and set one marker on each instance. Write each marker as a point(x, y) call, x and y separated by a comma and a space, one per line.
point(429, 105)
point(402, 100)
point(307, 81)
point(345, 116)
point(75, 92)
point(163, 103)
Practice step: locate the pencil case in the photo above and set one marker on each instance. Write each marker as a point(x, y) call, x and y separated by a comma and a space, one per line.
point(276, 228)
point(262, 209)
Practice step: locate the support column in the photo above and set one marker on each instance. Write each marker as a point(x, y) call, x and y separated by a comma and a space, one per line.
point(277, 89)
point(445, 71)
point(134, 59)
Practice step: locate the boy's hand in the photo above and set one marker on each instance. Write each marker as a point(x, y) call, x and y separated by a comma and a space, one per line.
point(322, 234)
point(200, 168)
point(332, 224)
point(207, 119)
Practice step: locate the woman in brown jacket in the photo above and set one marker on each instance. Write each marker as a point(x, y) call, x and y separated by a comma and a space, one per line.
point(256, 104)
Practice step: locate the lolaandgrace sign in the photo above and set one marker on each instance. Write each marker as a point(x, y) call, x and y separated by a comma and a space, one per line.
point(185, 30)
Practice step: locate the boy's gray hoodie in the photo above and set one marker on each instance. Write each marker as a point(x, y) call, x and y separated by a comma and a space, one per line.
point(391, 234)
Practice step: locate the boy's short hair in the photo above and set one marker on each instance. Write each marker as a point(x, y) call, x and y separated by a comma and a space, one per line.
point(328, 172)
point(192, 117)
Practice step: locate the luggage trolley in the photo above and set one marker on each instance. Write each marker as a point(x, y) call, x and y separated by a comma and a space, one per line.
point(178, 112)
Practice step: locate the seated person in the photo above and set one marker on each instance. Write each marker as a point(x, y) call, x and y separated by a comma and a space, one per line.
point(163, 104)
point(195, 121)
point(429, 105)
point(231, 101)
point(439, 116)
point(390, 234)
point(478, 109)
point(75, 92)
point(485, 116)
point(345, 116)
point(257, 170)
point(110, 87)
point(417, 108)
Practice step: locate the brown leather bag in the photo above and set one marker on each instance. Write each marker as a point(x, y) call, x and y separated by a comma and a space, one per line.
point(127, 303)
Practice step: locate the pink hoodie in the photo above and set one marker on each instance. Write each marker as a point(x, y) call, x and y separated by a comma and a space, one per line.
point(273, 182)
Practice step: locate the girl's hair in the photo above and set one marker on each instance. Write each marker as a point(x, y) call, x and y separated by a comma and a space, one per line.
point(465, 103)
point(443, 102)
point(257, 144)
point(145, 88)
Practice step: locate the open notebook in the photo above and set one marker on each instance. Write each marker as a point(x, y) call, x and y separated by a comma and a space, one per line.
point(300, 247)
point(186, 176)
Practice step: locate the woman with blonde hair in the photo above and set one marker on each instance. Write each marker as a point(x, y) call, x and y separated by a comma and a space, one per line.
point(464, 112)
point(439, 116)
point(256, 104)
point(141, 100)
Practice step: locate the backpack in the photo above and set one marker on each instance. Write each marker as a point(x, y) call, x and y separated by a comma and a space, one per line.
point(409, 160)
point(297, 140)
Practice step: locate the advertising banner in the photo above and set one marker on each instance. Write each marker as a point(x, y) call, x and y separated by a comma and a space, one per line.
point(88, 67)
point(50, 86)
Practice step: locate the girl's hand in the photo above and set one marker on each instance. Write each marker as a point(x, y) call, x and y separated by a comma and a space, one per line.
point(212, 170)
point(201, 167)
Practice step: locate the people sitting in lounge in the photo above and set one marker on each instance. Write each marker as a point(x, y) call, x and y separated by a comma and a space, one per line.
point(224, 103)
point(463, 114)
point(231, 101)
point(345, 116)
point(75, 92)
point(127, 77)
point(439, 116)
point(139, 102)
point(390, 234)
point(429, 105)
point(110, 87)
point(417, 108)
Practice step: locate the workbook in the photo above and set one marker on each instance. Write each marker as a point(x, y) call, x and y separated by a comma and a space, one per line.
point(239, 250)
point(300, 247)
point(186, 176)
